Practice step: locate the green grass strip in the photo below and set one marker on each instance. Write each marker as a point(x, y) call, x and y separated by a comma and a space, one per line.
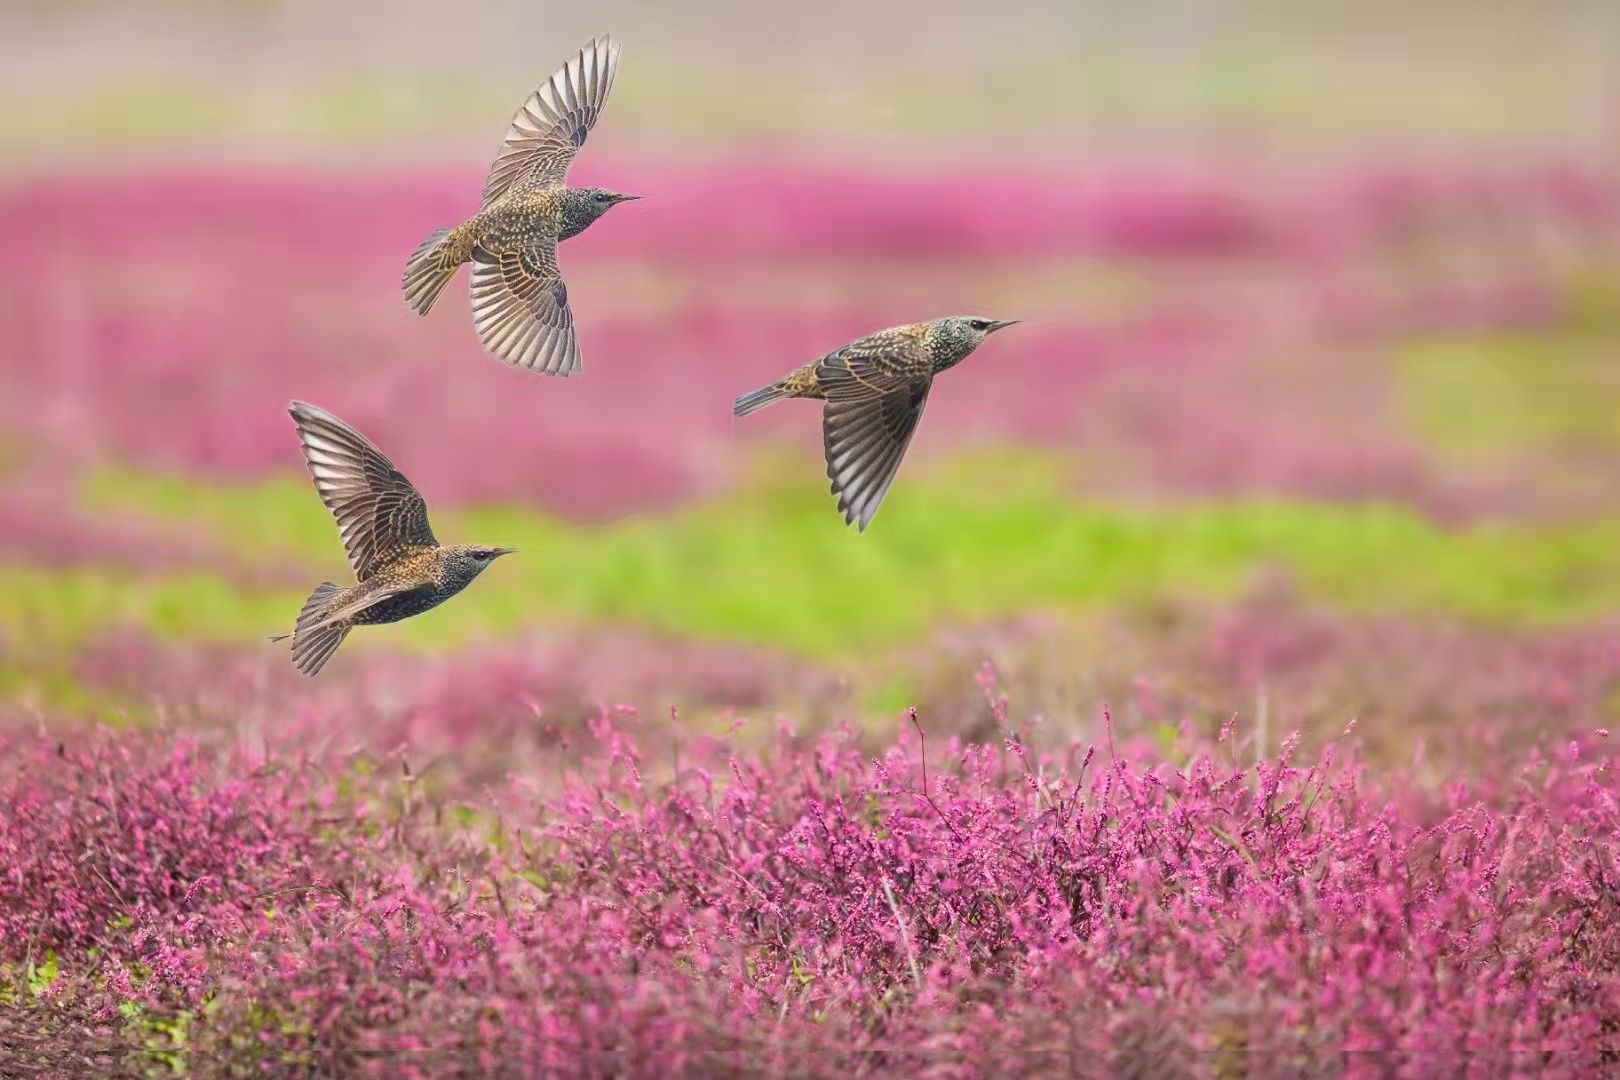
point(773, 564)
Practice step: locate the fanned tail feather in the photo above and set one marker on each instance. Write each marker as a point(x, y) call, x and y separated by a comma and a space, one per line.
point(758, 399)
point(311, 651)
point(312, 647)
point(428, 271)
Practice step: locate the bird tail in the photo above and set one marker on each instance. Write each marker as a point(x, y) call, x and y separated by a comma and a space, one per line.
point(313, 645)
point(760, 398)
point(429, 270)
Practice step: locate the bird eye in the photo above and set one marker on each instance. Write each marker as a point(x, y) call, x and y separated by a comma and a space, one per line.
point(979, 324)
point(602, 196)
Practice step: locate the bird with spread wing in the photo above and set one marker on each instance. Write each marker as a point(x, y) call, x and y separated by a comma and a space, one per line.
point(519, 301)
point(400, 569)
point(874, 390)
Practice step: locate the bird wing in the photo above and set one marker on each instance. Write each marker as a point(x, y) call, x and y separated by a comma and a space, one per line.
point(874, 400)
point(554, 120)
point(520, 307)
point(379, 514)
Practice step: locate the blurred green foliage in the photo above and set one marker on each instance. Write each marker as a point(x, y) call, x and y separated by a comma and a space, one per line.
point(985, 537)
point(1480, 399)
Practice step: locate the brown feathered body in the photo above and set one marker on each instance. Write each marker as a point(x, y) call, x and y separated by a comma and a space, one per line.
point(400, 568)
point(432, 576)
point(875, 390)
point(520, 303)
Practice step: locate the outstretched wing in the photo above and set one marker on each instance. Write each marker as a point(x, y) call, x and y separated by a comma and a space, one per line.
point(520, 307)
point(379, 514)
point(553, 123)
point(874, 400)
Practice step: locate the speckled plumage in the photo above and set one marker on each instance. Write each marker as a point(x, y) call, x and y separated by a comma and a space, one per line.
point(520, 303)
point(875, 390)
point(400, 568)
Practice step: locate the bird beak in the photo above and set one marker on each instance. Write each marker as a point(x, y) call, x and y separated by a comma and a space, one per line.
point(994, 326)
point(498, 552)
point(625, 198)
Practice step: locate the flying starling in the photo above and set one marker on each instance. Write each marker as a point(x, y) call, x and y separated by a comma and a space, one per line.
point(875, 390)
point(399, 568)
point(519, 301)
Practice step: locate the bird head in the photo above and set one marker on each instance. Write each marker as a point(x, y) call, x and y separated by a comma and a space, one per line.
point(470, 560)
point(954, 338)
point(582, 206)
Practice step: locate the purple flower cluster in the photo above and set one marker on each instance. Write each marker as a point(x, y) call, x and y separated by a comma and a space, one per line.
point(804, 908)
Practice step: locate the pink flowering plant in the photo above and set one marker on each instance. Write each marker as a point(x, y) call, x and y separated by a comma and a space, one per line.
point(793, 904)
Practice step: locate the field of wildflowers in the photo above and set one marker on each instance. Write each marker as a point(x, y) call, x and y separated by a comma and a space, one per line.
point(1287, 523)
point(486, 864)
point(289, 892)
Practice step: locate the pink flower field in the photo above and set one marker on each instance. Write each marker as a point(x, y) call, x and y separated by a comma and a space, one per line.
point(290, 895)
point(163, 320)
point(1297, 840)
point(1228, 688)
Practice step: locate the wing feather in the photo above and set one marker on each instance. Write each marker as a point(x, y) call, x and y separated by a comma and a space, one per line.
point(874, 404)
point(520, 308)
point(379, 514)
point(553, 122)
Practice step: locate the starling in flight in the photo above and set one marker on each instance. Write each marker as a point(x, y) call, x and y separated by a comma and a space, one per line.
point(519, 301)
point(875, 390)
point(399, 568)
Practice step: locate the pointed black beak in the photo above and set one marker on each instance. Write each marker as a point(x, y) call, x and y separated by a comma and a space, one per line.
point(495, 553)
point(1002, 325)
point(625, 198)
